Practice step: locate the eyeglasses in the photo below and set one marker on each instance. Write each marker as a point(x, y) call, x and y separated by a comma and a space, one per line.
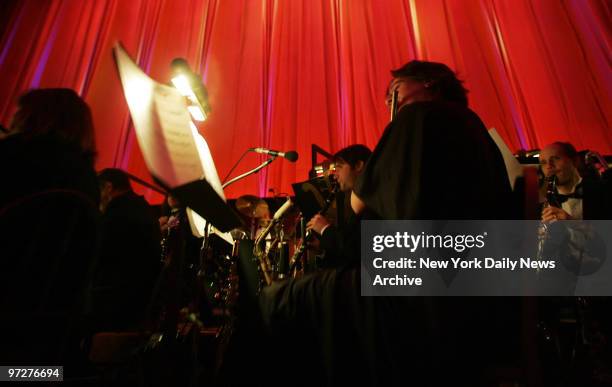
point(393, 85)
point(396, 82)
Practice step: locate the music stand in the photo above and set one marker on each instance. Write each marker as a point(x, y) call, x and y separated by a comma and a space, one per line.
point(179, 160)
point(310, 195)
point(169, 146)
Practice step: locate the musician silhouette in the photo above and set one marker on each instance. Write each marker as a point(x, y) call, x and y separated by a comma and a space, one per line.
point(341, 241)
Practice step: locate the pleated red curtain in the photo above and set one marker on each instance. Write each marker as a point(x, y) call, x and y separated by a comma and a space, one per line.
point(287, 74)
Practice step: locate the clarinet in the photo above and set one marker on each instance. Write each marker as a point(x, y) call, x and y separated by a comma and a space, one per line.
point(308, 235)
point(172, 225)
point(551, 200)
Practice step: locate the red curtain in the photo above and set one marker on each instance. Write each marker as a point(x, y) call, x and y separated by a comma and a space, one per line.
point(287, 74)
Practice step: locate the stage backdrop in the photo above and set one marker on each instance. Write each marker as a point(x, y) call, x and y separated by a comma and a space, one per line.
point(286, 74)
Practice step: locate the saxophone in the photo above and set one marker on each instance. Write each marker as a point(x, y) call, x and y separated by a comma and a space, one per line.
point(308, 235)
point(259, 248)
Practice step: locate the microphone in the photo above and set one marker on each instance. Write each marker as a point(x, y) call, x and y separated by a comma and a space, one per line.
point(291, 155)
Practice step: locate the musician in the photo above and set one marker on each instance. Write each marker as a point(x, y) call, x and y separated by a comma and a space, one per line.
point(49, 145)
point(341, 242)
point(180, 254)
point(577, 199)
point(415, 172)
point(435, 160)
point(586, 198)
point(582, 253)
point(129, 254)
point(170, 210)
point(47, 158)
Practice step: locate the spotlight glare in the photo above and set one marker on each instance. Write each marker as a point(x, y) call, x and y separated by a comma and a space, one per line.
point(182, 84)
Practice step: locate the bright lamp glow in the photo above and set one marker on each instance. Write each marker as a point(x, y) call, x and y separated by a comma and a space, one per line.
point(182, 85)
point(196, 113)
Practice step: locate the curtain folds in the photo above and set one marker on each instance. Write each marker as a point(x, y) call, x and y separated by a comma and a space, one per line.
point(287, 74)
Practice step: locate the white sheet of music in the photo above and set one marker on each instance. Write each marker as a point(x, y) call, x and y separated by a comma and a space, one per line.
point(513, 167)
point(196, 222)
point(171, 145)
point(162, 124)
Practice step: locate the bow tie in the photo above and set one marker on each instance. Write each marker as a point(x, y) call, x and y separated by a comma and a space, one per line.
point(577, 194)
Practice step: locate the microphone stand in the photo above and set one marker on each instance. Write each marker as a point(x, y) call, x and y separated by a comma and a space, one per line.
point(252, 171)
point(205, 245)
point(205, 249)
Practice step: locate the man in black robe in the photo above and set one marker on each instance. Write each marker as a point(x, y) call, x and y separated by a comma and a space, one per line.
point(48, 227)
point(435, 160)
point(129, 259)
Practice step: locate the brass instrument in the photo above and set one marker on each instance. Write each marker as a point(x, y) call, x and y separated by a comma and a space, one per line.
point(260, 251)
point(307, 236)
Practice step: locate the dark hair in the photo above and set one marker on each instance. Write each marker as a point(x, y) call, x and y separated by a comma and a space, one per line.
point(118, 178)
point(353, 154)
point(443, 83)
point(567, 149)
point(57, 112)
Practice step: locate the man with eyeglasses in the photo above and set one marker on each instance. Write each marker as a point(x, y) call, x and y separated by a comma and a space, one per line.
point(416, 169)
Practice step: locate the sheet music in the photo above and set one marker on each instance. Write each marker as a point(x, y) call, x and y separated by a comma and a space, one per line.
point(172, 147)
point(162, 125)
point(196, 222)
point(513, 167)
